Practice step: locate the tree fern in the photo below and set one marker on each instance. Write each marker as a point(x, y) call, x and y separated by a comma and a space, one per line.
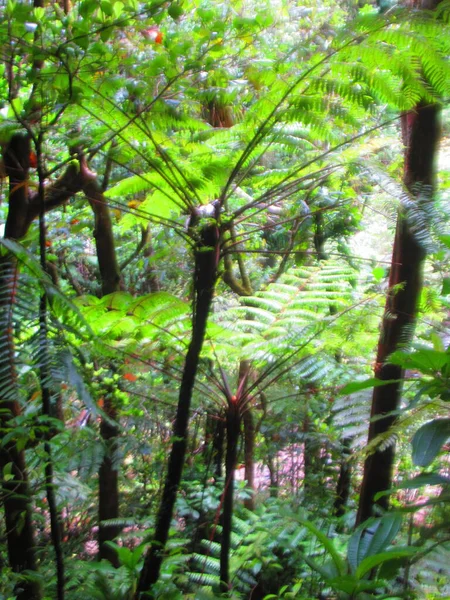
point(293, 310)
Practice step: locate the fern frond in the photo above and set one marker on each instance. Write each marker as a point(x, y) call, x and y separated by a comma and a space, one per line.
point(204, 579)
point(209, 564)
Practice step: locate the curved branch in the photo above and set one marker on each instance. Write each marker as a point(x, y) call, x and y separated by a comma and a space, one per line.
point(243, 288)
point(145, 237)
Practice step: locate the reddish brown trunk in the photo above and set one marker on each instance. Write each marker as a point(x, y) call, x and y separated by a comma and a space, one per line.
point(108, 480)
point(420, 135)
point(103, 233)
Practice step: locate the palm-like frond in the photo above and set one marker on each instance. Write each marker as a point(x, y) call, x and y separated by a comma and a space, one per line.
point(292, 310)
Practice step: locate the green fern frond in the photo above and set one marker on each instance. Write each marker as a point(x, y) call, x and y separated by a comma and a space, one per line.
point(350, 415)
point(212, 548)
point(204, 579)
point(209, 564)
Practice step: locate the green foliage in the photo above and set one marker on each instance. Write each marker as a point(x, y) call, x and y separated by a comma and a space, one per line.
point(293, 312)
point(175, 105)
point(428, 440)
point(266, 549)
point(371, 559)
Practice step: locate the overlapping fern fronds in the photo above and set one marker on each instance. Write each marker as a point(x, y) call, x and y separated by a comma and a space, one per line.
point(21, 277)
point(293, 312)
point(310, 108)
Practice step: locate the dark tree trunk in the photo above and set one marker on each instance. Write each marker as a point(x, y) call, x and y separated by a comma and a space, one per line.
point(19, 528)
point(218, 445)
point(273, 475)
point(319, 236)
point(24, 206)
point(206, 255)
point(108, 480)
point(344, 480)
point(249, 430)
point(249, 453)
point(233, 426)
point(312, 462)
point(15, 492)
point(44, 378)
point(214, 439)
point(420, 136)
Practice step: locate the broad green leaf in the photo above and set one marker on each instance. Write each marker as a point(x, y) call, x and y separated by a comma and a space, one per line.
point(387, 528)
point(353, 549)
point(426, 360)
point(357, 386)
point(445, 239)
point(372, 537)
point(328, 545)
point(130, 185)
point(351, 585)
point(371, 562)
point(159, 205)
point(117, 300)
point(428, 440)
point(379, 273)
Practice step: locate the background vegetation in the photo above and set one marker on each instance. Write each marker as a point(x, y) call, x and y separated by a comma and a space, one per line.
point(224, 299)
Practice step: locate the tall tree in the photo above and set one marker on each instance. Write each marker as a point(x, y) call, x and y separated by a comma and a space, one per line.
point(108, 480)
point(420, 134)
point(206, 234)
point(24, 207)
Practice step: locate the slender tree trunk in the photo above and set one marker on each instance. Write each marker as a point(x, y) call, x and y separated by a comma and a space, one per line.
point(15, 491)
point(233, 426)
point(108, 476)
point(249, 454)
point(23, 207)
point(108, 482)
point(214, 439)
point(420, 137)
point(249, 430)
point(103, 233)
point(206, 255)
point(218, 446)
point(312, 461)
point(44, 378)
point(344, 479)
point(273, 475)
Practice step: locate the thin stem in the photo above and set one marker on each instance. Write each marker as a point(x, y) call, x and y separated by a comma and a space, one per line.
point(44, 373)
